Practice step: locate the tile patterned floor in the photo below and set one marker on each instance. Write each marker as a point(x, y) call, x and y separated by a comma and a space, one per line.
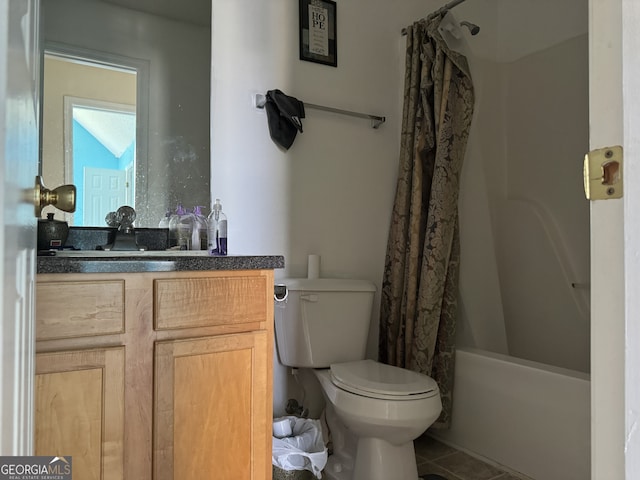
point(437, 458)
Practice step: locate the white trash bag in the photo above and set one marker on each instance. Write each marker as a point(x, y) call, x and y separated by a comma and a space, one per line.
point(304, 449)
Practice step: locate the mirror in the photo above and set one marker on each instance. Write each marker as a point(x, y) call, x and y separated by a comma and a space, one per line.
point(114, 65)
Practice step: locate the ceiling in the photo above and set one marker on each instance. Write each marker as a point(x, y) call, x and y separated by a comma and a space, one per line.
point(190, 11)
point(115, 130)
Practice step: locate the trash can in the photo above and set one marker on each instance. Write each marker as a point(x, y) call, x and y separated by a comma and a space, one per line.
point(280, 474)
point(299, 452)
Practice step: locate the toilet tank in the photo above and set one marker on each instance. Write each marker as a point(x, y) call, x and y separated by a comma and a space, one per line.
point(323, 321)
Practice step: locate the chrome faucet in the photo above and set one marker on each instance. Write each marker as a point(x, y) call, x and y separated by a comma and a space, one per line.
point(125, 238)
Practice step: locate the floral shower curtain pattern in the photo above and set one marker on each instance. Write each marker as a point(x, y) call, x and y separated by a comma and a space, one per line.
point(420, 284)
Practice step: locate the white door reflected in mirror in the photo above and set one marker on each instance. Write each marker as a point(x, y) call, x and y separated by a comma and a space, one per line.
point(100, 154)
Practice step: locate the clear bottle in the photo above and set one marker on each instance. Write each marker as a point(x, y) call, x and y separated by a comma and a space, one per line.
point(185, 230)
point(181, 226)
point(173, 226)
point(200, 225)
point(217, 231)
point(164, 223)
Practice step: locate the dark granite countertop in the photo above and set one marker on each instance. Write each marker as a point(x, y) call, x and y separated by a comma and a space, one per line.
point(131, 262)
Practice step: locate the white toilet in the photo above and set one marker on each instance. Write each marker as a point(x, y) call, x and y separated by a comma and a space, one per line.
point(374, 411)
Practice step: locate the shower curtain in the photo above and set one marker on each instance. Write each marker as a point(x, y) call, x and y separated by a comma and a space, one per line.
point(420, 283)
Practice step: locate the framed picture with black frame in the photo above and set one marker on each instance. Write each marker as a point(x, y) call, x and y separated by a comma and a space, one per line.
point(318, 39)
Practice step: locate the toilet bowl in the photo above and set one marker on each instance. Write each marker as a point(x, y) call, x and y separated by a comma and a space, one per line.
point(374, 411)
point(383, 409)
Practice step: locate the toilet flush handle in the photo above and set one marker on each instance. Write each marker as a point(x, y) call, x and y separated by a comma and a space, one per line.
point(309, 297)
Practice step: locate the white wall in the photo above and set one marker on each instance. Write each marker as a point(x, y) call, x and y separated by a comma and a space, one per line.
point(524, 218)
point(481, 318)
point(331, 194)
point(544, 223)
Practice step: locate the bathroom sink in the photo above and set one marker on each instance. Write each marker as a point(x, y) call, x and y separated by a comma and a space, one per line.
point(129, 253)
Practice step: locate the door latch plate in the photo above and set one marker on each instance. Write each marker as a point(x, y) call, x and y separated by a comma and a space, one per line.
point(602, 173)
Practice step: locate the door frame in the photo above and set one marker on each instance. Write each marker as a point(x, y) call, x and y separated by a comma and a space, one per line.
point(631, 238)
point(614, 117)
point(19, 105)
point(143, 73)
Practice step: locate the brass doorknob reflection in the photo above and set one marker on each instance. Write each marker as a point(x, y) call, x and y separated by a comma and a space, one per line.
point(63, 197)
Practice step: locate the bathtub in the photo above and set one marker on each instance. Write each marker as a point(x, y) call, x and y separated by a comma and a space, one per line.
point(529, 417)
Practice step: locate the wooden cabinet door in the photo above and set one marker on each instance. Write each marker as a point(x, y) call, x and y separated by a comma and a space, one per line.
point(212, 408)
point(79, 398)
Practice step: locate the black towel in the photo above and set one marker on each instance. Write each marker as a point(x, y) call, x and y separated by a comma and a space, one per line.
point(283, 115)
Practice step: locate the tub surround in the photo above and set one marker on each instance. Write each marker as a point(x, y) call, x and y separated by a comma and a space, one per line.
point(530, 417)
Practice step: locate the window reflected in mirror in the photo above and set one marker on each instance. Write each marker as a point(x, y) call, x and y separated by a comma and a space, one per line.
point(89, 111)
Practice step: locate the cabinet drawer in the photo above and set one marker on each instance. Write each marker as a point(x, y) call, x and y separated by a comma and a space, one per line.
point(201, 302)
point(79, 309)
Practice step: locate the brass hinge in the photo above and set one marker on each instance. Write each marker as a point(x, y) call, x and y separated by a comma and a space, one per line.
point(602, 173)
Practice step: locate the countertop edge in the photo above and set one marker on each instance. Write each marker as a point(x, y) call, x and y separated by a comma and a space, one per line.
point(156, 264)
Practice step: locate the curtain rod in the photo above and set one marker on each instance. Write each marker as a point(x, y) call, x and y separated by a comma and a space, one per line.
point(376, 120)
point(444, 8)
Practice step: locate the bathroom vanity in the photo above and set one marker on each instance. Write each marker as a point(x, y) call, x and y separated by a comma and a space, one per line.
point(156, 367)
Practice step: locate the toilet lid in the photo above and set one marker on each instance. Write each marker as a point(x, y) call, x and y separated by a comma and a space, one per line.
point(377, 380)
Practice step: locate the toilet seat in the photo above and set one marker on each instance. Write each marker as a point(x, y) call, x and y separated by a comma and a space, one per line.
point(377, 380)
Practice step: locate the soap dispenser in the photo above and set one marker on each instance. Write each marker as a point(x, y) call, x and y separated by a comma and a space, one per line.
point(217, 230)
